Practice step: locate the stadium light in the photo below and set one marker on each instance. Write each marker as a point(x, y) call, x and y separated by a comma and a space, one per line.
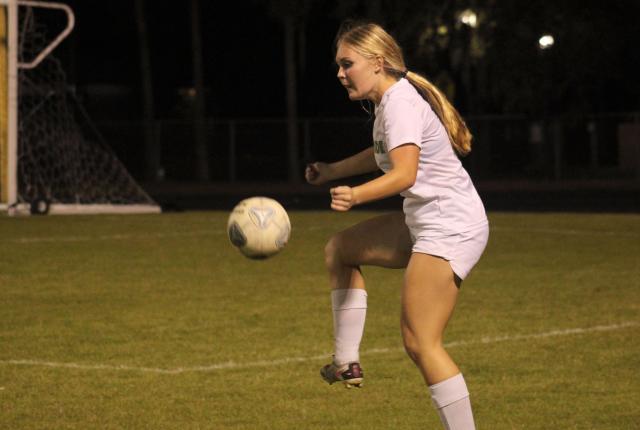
point(546, 41)
point(469, 17)
point(442, 30)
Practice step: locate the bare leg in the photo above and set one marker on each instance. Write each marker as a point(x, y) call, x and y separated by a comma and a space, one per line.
point(428, 298)
point(382, 241)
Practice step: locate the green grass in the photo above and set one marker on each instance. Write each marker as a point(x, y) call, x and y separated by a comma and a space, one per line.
point(155, 322)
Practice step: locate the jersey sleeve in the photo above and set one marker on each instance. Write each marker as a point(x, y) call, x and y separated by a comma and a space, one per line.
point(403, 124)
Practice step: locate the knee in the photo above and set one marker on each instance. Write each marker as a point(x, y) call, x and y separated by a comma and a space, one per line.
point(412, 348)
point(332, 252)
point(420, 350)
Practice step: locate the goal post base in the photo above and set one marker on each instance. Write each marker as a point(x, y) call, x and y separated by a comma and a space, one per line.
point(22, 209)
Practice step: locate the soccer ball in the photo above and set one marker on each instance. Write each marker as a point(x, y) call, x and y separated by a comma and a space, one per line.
point(259, 227)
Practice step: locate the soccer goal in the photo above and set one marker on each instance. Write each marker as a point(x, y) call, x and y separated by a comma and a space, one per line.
point(52, 157)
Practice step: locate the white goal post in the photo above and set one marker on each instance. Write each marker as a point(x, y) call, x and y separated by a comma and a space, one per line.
point(48, 163)
point(9, 102)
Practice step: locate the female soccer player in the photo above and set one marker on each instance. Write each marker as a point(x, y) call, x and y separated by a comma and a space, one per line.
point(439, 237)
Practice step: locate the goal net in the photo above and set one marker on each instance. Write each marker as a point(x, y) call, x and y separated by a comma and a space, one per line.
point(63, 165)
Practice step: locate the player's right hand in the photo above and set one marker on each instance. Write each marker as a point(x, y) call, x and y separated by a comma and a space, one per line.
point(317, 173)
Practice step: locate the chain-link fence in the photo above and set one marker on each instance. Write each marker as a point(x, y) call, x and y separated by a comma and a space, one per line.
point(506, 147)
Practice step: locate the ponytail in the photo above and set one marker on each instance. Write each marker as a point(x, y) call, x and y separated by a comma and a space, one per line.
point(459, 134)
point(371, 40)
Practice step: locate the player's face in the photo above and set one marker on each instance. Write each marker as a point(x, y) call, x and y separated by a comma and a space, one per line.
point(356, 73)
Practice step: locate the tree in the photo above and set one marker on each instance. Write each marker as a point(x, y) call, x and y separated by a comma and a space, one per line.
point(201, 150)
point(292, 14)
point(152, 152)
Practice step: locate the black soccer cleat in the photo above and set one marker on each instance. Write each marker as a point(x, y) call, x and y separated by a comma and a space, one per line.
point(349, 374)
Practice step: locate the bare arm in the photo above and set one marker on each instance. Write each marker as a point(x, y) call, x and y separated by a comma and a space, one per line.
point(401, 177)
point(358, 164)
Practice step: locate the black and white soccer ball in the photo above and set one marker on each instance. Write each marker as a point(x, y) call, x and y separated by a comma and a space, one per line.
point(259, 227)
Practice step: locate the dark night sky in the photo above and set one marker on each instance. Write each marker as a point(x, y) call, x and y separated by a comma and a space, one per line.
point(243, 60)
point(242, 50)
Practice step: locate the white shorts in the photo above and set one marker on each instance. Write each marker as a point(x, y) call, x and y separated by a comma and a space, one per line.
point(461, 250)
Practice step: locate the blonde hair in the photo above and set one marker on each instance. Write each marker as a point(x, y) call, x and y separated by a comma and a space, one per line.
point(371, 40)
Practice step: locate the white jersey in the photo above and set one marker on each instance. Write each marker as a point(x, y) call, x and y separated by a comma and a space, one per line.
point(443, 199)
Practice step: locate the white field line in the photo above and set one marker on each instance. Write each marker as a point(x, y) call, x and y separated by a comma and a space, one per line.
point(288, 360)
point(566, 232)
point(27, 240)
point(219, 232)
point(44, 239)
point(212, 232)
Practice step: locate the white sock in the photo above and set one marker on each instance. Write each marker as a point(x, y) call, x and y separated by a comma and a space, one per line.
point(349, 313)
point(451, 398)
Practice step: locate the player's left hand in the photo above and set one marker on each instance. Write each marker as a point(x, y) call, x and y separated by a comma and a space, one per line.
point(342, 198)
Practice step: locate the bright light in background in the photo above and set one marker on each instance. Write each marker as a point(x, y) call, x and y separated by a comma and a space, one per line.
point(469, 17)
point(546, 41)
point(443, 30)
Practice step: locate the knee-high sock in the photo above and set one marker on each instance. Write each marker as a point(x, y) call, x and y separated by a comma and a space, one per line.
point(349, 313)
point(451, 398)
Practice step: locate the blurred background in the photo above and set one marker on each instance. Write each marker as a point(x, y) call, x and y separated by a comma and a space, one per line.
point(205, 103)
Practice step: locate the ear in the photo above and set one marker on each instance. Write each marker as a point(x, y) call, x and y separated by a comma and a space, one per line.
point(379, 63)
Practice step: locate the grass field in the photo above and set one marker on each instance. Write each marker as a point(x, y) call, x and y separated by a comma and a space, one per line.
point(155, 322)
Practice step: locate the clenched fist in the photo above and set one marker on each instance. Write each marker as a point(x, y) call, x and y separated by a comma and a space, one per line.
point(342, 198)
